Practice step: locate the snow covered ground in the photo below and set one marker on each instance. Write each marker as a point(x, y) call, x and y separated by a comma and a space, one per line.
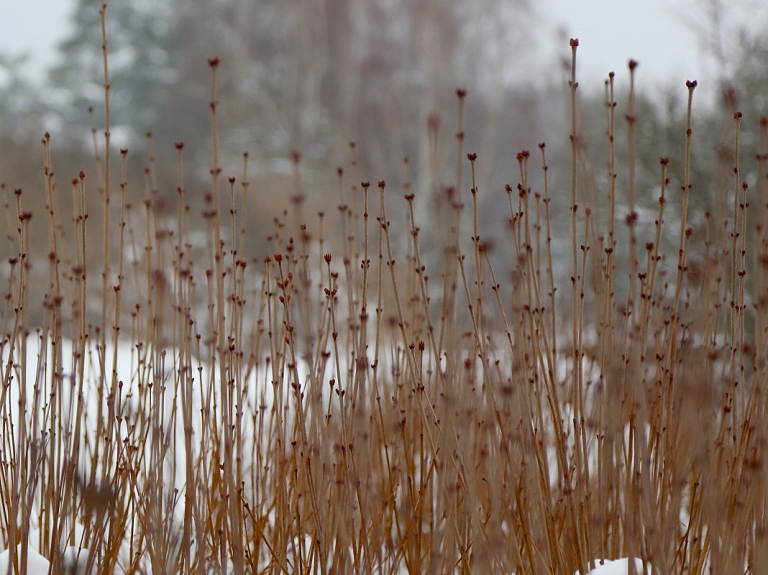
point(617, 567)
point(75, 560)
point(131, 362)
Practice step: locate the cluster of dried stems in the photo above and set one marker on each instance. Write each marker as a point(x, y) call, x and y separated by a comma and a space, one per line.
point(340, 407)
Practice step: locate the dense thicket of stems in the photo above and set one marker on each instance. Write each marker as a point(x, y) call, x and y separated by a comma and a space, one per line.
point(340, 406)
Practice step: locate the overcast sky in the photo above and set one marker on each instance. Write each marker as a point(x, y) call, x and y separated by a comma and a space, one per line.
point(659, 34)
point(34, 27)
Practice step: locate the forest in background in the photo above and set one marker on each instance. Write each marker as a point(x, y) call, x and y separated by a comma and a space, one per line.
point(304, 81)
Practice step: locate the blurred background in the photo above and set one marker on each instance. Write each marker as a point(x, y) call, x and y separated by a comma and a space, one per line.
point(311, 76)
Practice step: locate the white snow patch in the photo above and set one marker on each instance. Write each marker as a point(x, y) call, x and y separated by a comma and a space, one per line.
point(617, 567)
point(36, 563)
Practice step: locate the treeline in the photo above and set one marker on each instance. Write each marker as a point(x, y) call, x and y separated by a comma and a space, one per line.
point(300, 80)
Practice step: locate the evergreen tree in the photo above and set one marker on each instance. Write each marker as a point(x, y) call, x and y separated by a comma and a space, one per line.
point(20, 104)
point(140, 67)
point(292, 75)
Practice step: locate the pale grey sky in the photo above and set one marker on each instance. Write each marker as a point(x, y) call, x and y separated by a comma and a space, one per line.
point(656, 33)
point(35, 27)
point(611, 32)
